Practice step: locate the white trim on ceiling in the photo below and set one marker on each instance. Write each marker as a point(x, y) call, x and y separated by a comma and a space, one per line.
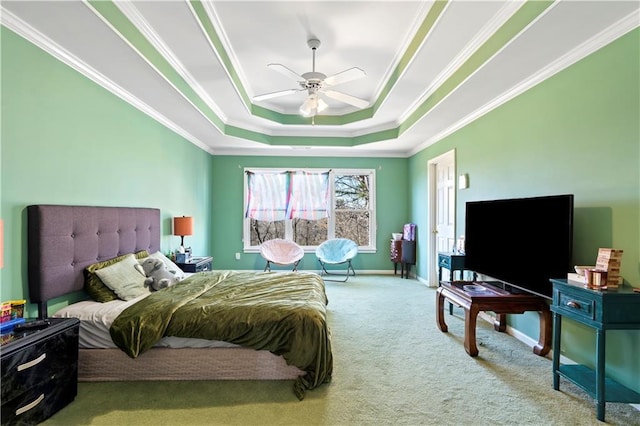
point(29, 33)
point(151, 66)
point(617, 30)
point(481, 37)
point(603, 38)
point(404, 46)
point(147, 30)
point(224, 40)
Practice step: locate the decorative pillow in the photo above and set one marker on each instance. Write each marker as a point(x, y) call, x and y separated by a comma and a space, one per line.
point(124, 278)
point(172, 267)
point(95, 287)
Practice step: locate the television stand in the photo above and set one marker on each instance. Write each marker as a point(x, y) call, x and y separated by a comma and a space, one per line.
point(489, 297)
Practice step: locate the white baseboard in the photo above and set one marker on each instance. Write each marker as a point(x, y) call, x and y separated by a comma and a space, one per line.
point(531, 343)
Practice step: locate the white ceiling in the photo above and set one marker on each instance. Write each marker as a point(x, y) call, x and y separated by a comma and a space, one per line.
point(432, 67)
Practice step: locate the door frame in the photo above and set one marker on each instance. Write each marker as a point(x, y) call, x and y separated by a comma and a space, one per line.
point(432, 164)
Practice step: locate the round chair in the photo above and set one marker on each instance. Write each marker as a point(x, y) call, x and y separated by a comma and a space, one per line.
point(335, 252)
point(281, 252)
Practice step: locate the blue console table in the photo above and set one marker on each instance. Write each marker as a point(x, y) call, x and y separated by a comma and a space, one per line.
point(602, 310)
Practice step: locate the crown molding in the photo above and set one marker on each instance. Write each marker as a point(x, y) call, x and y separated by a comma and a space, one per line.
point(29, 33)
point(597, 42)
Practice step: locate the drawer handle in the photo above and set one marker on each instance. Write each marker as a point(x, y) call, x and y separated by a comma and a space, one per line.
point(573, 304)
point(32, 362)
point(30, 405)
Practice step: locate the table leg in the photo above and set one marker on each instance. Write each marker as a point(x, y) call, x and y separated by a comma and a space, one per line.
point(600, 389)
point(557, 324)
point(500, 323)
point(452, 278)
point(442, 325)
point(470, 317)
point(544, 341)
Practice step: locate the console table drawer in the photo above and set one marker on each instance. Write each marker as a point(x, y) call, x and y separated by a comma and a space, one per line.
point(444, 261)
point(580, 306)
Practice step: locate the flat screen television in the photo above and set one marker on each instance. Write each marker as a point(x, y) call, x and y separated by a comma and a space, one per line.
point(522, 242)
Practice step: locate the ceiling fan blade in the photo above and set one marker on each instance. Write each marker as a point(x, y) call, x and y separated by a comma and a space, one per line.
point(274, 94)
point(344, 76)
point(286, 71)
point(348, 99)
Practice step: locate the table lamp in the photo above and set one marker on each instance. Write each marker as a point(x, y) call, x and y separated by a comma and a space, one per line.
point(182, 226)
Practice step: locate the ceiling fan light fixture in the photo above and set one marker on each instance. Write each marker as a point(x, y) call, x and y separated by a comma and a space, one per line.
point(312, 106)
point(308, 108)
point(322, 105)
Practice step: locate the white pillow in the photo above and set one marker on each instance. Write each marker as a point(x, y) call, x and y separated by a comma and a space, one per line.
point(124, 278)
point(172, 267)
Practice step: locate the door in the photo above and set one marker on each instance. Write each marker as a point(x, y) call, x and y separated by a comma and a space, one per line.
point(442, 211)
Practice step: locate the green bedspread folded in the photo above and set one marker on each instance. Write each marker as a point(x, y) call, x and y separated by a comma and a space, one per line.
point(282, 312)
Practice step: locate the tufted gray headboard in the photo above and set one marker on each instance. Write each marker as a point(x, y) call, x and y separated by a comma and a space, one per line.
point(63, 240)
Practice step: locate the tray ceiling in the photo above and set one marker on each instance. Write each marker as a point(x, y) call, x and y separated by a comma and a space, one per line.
point(432, 67)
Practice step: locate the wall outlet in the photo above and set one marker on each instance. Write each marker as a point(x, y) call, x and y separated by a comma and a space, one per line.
point(237, 256)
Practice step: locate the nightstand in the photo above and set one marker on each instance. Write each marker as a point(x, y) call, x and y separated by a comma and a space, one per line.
point(404, 253)
point(197, 264)
point(39, 371)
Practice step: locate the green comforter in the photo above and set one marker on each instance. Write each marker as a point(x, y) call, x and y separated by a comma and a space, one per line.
point(284, 313)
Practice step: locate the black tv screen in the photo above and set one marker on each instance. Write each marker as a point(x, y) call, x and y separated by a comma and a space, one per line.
point(522, 242)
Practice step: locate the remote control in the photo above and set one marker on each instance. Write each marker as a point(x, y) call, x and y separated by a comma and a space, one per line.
point(32, 325)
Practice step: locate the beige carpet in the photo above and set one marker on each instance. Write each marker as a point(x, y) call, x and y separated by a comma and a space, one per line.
point(392, 367)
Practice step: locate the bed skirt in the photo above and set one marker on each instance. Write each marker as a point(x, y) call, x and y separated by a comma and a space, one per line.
point(111, 365)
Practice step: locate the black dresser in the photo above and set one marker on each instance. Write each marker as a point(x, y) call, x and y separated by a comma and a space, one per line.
point(39, 371)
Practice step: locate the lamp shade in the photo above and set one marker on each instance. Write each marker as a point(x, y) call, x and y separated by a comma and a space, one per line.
point(183, 226)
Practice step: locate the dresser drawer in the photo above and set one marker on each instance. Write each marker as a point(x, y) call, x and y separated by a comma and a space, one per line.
point(583, 307)
point(41, 361)
point(39, 402)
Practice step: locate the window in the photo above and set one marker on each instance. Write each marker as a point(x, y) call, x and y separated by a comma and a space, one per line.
point(350, 208)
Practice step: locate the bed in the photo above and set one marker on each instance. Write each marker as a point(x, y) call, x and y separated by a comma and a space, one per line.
point(191, 339)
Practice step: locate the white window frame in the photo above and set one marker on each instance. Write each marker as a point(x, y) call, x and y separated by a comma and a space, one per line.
point(371, 248)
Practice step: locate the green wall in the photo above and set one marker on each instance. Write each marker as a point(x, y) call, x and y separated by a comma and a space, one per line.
point(579, 133)
point(66, 140)
point(392, 196)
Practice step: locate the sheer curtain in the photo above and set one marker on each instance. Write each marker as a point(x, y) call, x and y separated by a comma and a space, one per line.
point(274, 196)
point(309, 195)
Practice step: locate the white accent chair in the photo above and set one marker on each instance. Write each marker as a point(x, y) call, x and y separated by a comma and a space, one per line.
point(281, 252)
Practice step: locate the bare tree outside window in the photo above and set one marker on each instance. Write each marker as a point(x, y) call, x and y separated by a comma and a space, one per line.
point(262, 231)
point(352, 208)
point(310, 232)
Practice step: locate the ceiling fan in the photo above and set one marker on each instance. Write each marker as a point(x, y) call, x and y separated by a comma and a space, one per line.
point(315, 83)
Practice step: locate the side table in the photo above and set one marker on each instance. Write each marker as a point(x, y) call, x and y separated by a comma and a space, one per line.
point(453, 262)
point(602, 311)
point(404, 253)
point(495, 299)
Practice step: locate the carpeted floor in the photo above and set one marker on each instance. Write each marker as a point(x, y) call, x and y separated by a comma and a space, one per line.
point(392, 366)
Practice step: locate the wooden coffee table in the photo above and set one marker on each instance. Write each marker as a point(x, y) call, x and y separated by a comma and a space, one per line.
point(495, 299)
